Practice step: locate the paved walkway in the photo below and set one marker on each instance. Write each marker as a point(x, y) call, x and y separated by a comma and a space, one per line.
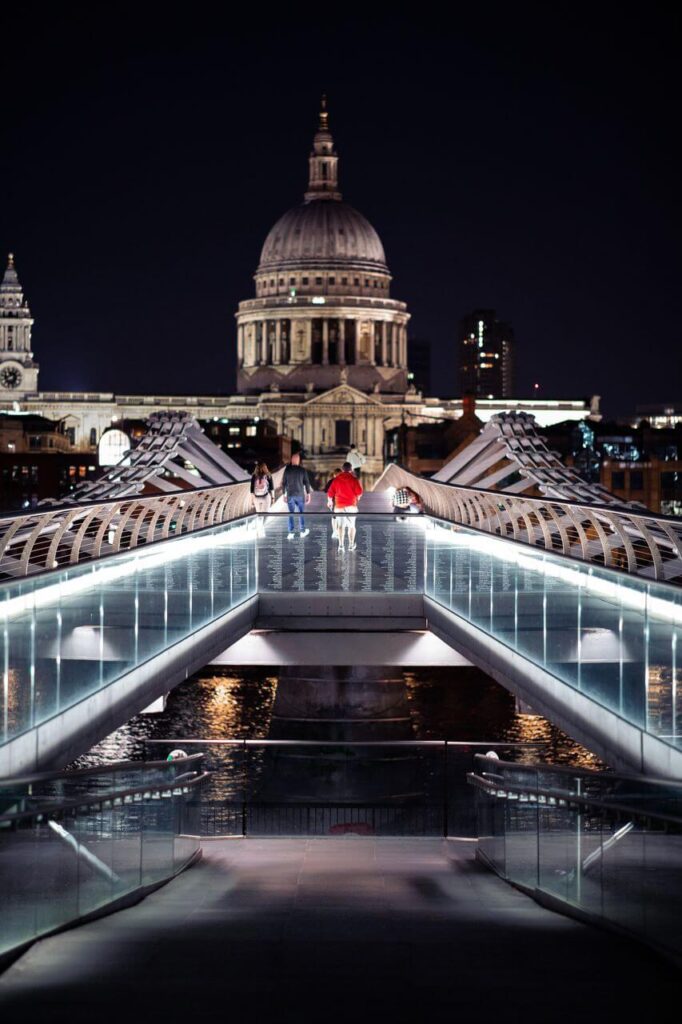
point(345, 929)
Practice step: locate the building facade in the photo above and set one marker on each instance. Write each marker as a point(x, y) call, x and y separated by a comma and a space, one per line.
point(321, 349)
point(18, 371)
point(323, 314)
point(486, 355)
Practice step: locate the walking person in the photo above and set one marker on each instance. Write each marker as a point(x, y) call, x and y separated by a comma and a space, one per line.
point(407, 500)
point(297, 492)
point(262, 492)
point(356, 460)
point(342, 496)
point(335, 525)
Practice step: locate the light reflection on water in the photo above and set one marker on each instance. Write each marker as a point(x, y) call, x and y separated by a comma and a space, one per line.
point(458, 705)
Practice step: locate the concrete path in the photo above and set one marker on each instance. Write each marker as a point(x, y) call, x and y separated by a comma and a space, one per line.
point(337, 930)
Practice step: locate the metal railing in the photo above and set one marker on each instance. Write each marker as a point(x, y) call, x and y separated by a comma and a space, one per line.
point(76, 848)
point(61, 536)
point(600, 844)
point(268, 787)
point(636, 542)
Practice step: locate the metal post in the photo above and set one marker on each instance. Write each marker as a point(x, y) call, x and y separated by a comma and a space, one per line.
point(244, 785)
point(445, 789)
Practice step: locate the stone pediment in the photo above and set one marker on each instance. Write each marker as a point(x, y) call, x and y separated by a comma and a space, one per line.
point(343, 394)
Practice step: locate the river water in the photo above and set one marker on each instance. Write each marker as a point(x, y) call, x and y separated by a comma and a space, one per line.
point(460, 704)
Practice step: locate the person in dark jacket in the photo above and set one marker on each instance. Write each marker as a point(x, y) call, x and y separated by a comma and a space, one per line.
point(297, 491)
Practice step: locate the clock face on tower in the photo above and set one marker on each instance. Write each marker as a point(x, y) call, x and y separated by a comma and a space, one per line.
point(10, 377)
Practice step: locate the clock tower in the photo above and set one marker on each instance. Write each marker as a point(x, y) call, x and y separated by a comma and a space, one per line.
point(18, 371)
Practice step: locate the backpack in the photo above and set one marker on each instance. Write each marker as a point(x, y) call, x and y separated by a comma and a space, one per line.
point(261, 487)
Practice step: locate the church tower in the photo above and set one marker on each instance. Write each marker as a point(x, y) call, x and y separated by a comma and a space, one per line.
point(18, 371)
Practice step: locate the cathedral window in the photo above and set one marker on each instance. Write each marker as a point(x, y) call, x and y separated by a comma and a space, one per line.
point(93, 436)
point(357, 280)
point(292, 280)
point(332, 280)
point(344, 280)
point(318, 280)
point(305, 280)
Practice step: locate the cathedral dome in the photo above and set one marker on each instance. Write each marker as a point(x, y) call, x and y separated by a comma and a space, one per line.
point(325, 232)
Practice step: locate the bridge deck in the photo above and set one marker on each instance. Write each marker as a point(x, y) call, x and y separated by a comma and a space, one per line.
point(345, 929)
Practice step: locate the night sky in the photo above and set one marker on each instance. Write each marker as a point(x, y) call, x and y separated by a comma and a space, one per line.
point(520, 162)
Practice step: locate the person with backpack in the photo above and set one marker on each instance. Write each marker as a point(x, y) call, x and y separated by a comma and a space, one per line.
point(262, 492)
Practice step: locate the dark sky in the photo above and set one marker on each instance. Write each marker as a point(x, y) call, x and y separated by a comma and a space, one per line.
point(523, 162)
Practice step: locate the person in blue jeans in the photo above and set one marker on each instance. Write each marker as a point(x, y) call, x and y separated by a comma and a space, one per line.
point(297, 491)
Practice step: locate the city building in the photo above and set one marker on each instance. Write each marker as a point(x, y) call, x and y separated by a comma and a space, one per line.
point(668, 415)
point(486, 355)
point(322, 350)
point(18, 371)
point(37, 460)
point(641, 463)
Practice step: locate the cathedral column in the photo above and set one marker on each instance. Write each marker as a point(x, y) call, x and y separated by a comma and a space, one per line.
point(342, 342)
point(264, 343)
point(403, 360)
point(278, 342)
point(240, 345)
point(384, 336)
point(325, 341)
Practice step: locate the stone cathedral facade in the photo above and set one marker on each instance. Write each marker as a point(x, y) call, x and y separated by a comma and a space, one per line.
point(323, 314)
point(321, 349)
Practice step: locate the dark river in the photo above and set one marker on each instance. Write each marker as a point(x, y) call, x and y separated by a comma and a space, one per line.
point(459, 704)
point(325, 762)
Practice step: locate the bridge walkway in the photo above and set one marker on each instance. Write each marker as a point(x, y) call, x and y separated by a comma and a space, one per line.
point(350, 929)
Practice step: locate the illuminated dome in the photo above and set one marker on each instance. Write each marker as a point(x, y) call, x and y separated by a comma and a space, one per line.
point(323, 231)
point(322, 314)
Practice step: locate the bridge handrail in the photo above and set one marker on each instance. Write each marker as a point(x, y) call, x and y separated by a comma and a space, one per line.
point(70, 534)
point(642, 544)
point(98, 769)
point(86, 801)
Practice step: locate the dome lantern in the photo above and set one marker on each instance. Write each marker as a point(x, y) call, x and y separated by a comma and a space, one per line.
point(323, 161)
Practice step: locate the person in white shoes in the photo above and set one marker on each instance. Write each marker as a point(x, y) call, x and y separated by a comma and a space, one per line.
point(262, 491)
point(356, 460)
point(297, 492)
point(343, 494)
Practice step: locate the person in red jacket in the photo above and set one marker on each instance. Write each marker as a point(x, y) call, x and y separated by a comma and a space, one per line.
point(342, 496)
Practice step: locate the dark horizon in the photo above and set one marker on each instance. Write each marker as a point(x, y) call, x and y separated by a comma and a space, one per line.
point(521, 164)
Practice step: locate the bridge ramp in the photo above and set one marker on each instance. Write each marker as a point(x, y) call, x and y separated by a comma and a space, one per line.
point(347, 929)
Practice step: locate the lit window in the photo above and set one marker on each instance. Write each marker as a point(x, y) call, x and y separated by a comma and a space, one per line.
point(112, 447)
